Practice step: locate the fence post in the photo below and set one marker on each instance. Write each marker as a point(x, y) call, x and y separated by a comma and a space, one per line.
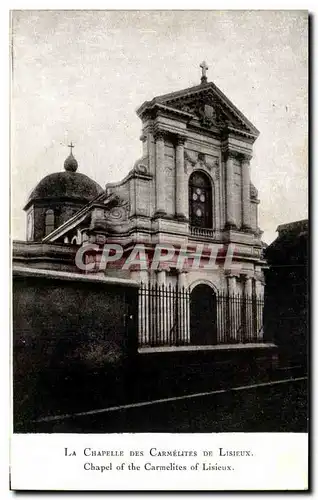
point(183, 309)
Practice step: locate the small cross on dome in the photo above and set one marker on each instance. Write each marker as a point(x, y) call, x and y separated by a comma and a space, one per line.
point(70, 164)
point(204, 67)
point(71, 146)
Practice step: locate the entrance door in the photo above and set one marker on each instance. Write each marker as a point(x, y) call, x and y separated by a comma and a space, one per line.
point(203, 316)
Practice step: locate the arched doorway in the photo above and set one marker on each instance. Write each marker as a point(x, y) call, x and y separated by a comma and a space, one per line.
point(203, 316)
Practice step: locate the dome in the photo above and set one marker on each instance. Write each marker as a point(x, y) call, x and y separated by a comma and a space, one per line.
point(69, 185)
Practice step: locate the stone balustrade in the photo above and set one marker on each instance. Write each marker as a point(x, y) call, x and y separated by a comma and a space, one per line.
point(202, 232)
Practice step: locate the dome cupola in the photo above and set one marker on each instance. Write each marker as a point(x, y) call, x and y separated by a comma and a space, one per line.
point(61, 194)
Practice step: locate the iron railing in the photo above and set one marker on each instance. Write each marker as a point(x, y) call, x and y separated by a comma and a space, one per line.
point(165, 317)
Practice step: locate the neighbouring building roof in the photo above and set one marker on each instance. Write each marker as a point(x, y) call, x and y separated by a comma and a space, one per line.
point(291, 244)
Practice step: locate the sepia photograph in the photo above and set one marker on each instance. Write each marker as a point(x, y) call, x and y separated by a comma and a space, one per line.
point(159, 222)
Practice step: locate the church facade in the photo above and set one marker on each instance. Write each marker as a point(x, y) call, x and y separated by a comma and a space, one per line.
point(191, 190)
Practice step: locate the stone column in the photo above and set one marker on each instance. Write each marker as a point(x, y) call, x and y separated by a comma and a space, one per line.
point(182, 279)
point(259, 285)
point(184, 309)
point(230, 208)
point(232, 327)
point(143, 327)
point(246, 204)
point(232, 284)
point(221, 310)
point(248, 292)
point(181, 189)
point(161, 277)
point(260, 311)
point(248, 286)
point(160, 315)
point(160, 174)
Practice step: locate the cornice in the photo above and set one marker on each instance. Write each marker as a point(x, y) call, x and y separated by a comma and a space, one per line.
point(160, 133)
point(243, 133)
point(232, 154)
point(153, 107)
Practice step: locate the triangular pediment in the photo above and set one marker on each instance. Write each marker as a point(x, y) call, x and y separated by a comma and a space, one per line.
point(207, 105)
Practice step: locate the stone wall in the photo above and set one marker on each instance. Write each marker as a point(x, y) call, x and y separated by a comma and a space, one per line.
point(70, 338)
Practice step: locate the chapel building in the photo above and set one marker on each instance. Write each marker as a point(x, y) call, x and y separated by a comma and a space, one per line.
point(191, 189)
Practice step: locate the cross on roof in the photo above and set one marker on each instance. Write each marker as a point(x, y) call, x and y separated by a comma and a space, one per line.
point(204, 67)
point(71, 146)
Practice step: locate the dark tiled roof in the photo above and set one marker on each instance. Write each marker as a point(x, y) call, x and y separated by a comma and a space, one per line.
point(70, 185)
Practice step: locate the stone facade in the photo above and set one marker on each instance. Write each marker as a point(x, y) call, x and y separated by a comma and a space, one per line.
point(196, 130)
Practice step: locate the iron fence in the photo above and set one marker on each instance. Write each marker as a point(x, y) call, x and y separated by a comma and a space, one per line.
point(165, 317)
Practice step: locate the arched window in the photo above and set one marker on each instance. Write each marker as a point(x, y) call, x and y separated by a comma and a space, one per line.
point(200, 200)
point(49, 221)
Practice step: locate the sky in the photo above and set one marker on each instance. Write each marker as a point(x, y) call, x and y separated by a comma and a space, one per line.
point(80, 76)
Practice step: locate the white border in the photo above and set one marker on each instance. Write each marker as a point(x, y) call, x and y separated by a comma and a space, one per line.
point(5, 281)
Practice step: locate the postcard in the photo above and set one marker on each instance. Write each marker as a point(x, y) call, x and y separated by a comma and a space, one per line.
point(159, 186)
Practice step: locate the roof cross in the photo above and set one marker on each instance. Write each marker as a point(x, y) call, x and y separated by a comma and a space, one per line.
point(71, 146)
point(204, 67)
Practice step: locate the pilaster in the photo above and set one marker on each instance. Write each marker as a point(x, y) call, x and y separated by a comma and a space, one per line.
point(181, 188)
point(231, 283)
point(182, 279)
point(246, 205)
point(230, 220)
point(160, 173)
point(248, 288)
point(183, 309)
point(161, 277)
point(161, 312)
point(248, 334)
point(144, 319)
